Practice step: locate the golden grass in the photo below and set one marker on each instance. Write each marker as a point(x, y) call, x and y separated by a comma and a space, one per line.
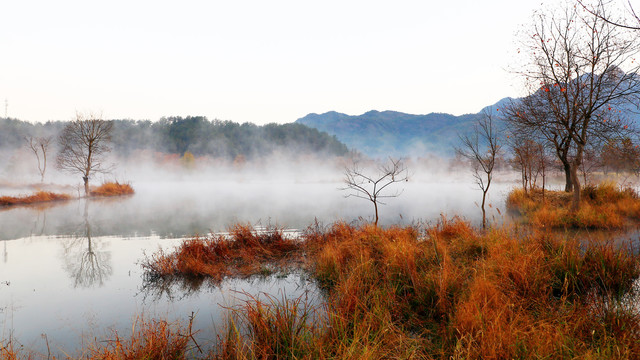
point(38, 197)
point(112, 189)
point(450, 291)
point(604, 206)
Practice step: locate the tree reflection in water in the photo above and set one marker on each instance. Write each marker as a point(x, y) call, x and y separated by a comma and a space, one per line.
point(86, 260)
point(37, 223)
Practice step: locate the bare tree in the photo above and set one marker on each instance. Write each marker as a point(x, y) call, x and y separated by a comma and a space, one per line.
point(374, 187)
point(84, 145)
point(531, 118)
point(39, 146)
point(482, 149)
point(528, 158)
point(620, 155)
point(585, 71)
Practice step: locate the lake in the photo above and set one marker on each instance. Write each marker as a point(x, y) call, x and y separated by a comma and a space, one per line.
point(71, 270)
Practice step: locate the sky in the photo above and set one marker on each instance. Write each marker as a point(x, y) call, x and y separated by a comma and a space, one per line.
point(256, 61)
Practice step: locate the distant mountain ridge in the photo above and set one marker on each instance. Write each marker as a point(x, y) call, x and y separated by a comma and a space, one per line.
point(393, 133)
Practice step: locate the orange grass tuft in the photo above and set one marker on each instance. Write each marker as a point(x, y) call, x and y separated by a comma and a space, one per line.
point(243, 252)
point(112, 189)
point(275, 329)
point(38, 197)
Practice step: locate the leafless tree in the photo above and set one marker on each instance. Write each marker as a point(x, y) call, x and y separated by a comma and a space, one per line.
point(84, 143)
point(586, 75)
point(590, 164)
point(531, 118)
point(481, 148)
point(529, 157)
point(620, 155)
point(374, 187)
point(39, 146)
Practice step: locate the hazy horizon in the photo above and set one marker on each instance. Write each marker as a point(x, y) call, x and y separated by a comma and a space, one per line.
point(256, 62)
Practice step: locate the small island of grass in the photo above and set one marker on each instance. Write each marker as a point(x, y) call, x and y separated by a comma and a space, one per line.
point(38, 197)
point(604, 206)
point(112, 189)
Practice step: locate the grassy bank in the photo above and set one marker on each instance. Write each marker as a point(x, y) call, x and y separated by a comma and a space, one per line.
point(605, 206)
point(38, 197)
point(448, 291)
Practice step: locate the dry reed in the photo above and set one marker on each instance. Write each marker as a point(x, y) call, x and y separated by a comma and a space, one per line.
point(112, 189)
point(38, 197)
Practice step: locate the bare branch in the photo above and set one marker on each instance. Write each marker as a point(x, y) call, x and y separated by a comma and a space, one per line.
point(371, 187)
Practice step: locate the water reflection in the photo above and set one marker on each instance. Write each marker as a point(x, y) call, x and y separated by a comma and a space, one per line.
point(155, 288)
point(38, 224)
point(178, 287)
point(87, 261)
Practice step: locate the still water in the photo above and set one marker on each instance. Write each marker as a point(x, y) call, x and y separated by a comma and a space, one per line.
point(71, 271)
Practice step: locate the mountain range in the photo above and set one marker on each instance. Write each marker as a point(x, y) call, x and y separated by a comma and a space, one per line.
point(392, 133)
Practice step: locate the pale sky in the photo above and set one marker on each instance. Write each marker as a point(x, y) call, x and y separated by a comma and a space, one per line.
point(256, 61)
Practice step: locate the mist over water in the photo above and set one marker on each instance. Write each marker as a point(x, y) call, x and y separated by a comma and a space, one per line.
point(176, 201)
point(71, 270)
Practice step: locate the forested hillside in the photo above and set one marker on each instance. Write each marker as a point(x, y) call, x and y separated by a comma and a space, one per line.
point(194, 134)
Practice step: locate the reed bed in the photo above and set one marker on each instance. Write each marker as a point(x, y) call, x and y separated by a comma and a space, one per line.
point(451, 291)
point(112, 189)
point(38, 197)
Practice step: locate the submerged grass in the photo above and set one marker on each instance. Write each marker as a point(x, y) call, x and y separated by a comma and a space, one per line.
point(604, 206)
point(38, 197)
point(112, 189)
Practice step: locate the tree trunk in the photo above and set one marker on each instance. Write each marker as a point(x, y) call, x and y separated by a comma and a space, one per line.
point(44, 160)
point(568, 187)
point(484, 214)
point(86, 185)
point(375, 205)
point(575, 202)
point(544, 179)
